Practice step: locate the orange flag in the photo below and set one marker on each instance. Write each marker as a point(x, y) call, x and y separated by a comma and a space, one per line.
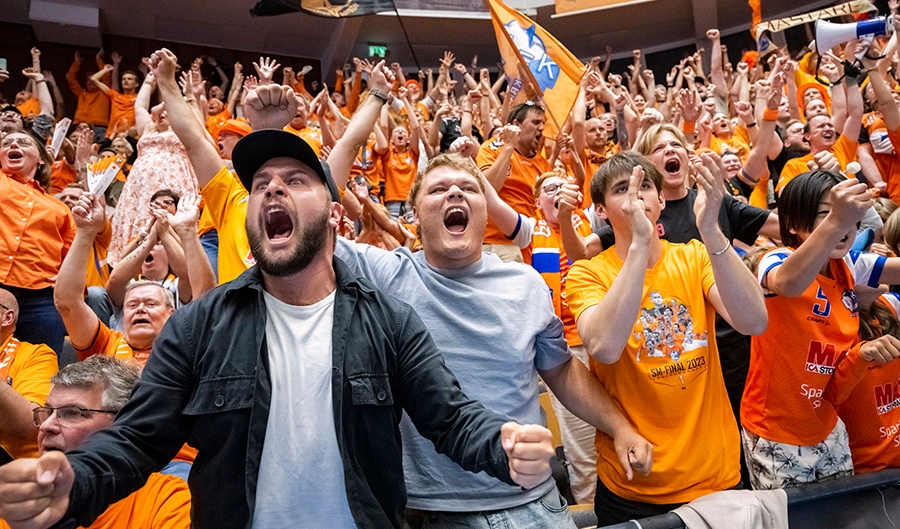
point(531, 52)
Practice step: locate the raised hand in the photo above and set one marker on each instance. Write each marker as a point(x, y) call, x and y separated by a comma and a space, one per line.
point(89, 213)
point(270, 106)
point(709, 171)
point(265, 69)
point(850, 200)
point(712, 34)
point(634, 209)
point(187, 215)
point(116, 57)
point(690, 105)
point(163, 63)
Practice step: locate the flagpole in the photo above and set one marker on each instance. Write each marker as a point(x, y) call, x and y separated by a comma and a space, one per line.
point(406, 35)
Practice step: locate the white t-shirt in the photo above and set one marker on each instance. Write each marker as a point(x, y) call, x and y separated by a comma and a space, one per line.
point(301, 477)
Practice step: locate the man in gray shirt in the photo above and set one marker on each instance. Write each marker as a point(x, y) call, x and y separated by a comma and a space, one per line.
point(496, 329)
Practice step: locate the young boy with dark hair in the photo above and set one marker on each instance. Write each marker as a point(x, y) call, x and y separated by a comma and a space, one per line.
point(645, 311)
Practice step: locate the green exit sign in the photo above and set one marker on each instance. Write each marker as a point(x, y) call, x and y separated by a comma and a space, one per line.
point(377, 51)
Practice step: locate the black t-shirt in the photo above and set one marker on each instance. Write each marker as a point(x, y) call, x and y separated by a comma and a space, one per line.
point(677, 222)
point(449, 132)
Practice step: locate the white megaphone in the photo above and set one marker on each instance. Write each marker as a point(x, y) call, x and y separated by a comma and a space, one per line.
point(829, 34)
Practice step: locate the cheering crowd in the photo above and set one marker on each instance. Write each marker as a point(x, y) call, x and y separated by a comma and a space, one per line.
point(286, 306)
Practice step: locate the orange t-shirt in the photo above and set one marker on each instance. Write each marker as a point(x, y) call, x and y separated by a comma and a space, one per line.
point(30, 108)
point(806, 356)
point(121, 108)
point(548, 257)
point(164, 502)
point(518, 189)
point(399, 170)
point(591, 161)
point(29, 375)
point(226, 201)
point(885, 148)
point(98, 269)
point(111, 343)
point(93, 106)
point(843, 149)
point(872, 413)
point(310, 135)
point(668, 381)
point(36, 235)
point(61, 175)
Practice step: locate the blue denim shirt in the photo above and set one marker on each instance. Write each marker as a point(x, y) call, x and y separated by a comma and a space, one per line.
point(206, 383)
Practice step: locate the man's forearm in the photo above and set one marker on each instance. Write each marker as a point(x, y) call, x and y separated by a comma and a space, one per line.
point(580, 392)
point(497, 173)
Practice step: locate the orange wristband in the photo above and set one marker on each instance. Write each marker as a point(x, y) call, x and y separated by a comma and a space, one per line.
point(770, 115)
point(688, 127)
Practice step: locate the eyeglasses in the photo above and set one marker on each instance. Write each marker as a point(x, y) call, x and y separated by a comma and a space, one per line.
point(551, 189)
point(5, 308)
point(66, 415)
point(21, 141)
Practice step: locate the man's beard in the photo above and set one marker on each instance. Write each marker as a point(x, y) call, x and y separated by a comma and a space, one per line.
point(312, 240)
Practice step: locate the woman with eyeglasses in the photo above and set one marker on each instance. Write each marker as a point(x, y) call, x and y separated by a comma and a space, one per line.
point(162, 163)
point(36, 231)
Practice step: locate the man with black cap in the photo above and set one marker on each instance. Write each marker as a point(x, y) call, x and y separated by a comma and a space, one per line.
point(290, 381)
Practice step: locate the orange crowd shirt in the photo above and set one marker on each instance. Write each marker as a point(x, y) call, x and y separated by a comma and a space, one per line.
point(121, 108)
point(872, 413)
point(844, 150)
point(809, 352)
point(668, 381)
point(28, 373)
point(518, 189)
point(37, 233)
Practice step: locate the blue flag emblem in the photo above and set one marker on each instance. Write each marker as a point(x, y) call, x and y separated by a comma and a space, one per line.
point(534, 52)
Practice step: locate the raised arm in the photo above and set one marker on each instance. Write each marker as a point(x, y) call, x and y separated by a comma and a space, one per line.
point(716, 74)
point(68, 295)
point(200, 275)
point(130, 266)
point(142, 117)
point(497, 173)
point(606, 327)
point(191, 132)
point(850, 200)
point(96, 78)
point(344, 152)
point(735, 295)
point(43, 93)
point(234, 94)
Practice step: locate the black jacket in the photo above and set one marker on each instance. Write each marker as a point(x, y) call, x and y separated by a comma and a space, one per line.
point(207, 383)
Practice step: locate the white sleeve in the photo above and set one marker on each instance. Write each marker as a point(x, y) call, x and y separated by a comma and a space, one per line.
point(865, 267)
point(524, 232)
point(769, 261)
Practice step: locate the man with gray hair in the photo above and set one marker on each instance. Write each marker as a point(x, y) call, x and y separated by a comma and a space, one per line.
point(84, 398)
point(146, 308)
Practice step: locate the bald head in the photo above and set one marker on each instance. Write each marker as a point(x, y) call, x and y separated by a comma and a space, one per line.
point(9, 313)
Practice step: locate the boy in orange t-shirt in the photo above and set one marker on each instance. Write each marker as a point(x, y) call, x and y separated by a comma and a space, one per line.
point(645, 309)
point(810, 357)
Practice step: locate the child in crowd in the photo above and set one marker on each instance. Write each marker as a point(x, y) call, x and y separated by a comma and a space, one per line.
point(811, 355)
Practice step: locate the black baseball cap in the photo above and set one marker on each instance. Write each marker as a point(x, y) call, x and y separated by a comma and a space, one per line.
point(14, 108)
point(257, 148)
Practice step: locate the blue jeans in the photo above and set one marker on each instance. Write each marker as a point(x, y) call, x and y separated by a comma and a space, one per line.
point(39, 321)
point(547, 512)
point(210, 243)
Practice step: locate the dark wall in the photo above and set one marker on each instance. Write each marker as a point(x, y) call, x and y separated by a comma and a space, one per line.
point(18, 39)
